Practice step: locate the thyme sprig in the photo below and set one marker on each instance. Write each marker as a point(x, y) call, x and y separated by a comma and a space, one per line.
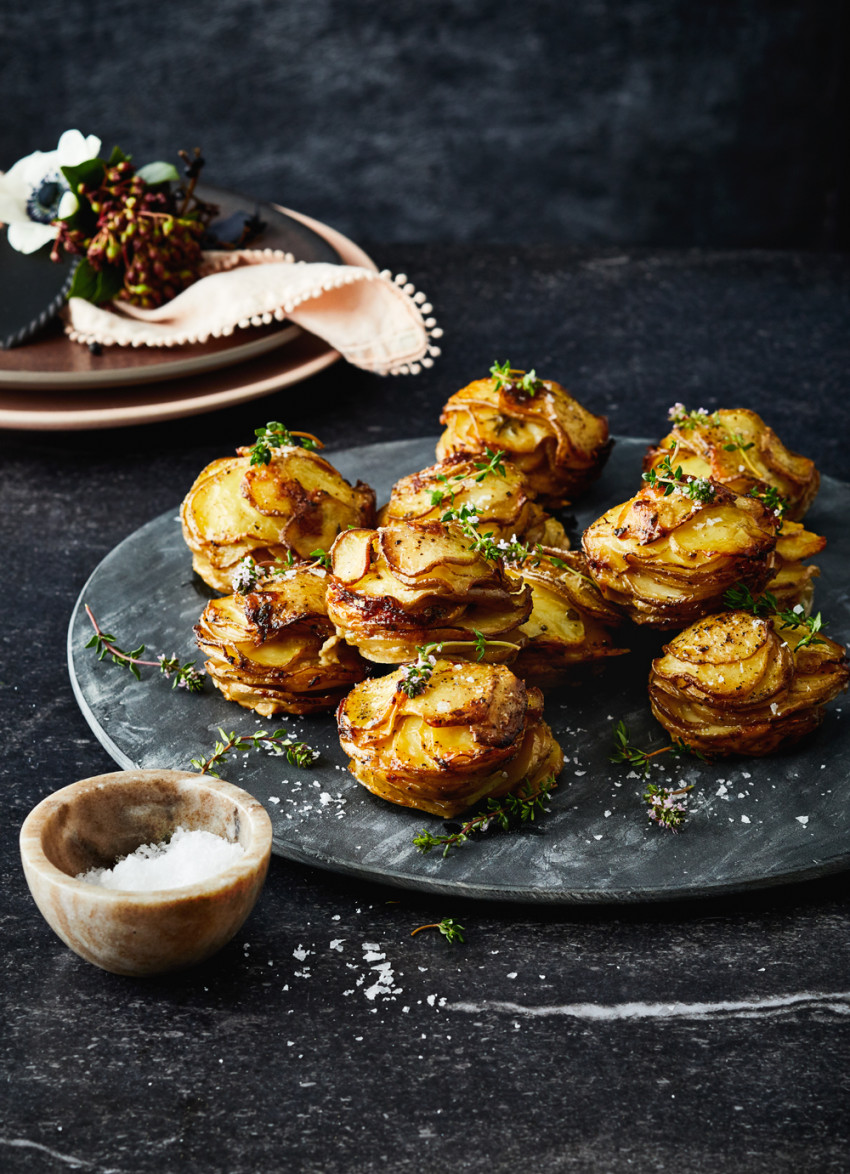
point(186, 676)
point(495, 463)
point(685, 420)
point(276, 435)
point(673, 480)
point(451, 930)
point(417, 674)
point(521, 806)
point(249, 573)
point(740, 598)
point(625, 751)
point(667, 806)
point(277, 743)
point(770, 497)
point(509, 378)
point(491, 547)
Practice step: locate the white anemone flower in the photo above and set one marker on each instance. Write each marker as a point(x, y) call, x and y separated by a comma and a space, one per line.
point(33, 192)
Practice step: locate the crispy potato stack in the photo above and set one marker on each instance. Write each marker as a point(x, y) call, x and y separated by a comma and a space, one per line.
point(735, 447)
point(502, 501)
point(473, 731)
point(558, 444)
point(399, 587)
point(570, 622)
point(297, 502)
point(793, 583)
point(668, 559)
point(736, 683)
point(274, 650)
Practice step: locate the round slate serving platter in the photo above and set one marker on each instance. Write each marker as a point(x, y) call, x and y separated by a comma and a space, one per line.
point(752, 822)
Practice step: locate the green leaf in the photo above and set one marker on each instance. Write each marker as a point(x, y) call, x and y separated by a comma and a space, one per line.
point(84, 281)
point(118, 156)
point(154, 173)
point(89, 173)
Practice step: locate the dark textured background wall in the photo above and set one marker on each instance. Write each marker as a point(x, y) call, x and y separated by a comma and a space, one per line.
point(622, 121)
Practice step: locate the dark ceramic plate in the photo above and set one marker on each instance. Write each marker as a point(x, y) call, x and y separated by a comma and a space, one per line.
point(752, 822)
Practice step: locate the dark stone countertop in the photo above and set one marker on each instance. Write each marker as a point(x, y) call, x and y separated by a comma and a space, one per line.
point(607, 1039)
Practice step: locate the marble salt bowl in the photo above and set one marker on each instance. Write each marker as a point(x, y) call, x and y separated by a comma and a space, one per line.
point(92, 823)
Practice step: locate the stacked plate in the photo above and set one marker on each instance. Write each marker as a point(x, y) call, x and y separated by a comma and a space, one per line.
point(53, 383)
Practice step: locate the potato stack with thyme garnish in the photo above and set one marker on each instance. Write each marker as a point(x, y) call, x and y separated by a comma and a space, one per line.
point(272, 648)
point(739, 683)
point(277, 499)
point(400, 586)
point(490, 485)
point(667, 555)
point(570, 623)
point(439, 736)
point(555, 442)
point(735, 447)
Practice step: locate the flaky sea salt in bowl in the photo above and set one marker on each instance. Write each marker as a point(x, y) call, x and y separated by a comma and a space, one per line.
point(96, 822)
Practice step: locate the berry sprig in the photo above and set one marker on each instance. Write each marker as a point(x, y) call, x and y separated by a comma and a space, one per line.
point(134, 240)
point(186, 676)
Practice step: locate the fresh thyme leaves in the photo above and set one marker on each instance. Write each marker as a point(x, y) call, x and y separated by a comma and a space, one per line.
point(522, 806)
point(276, 743)
point(438, 496)
point(508, 378)
point(624, 751)
point(480, 644)
point(736, 443)
point(772, 498)
point(740, 598)
point(276, 435)
point(322, 557)
point(492, 548)
point(664, 476)
point(495, 463)
point(686, 421)
point(451, 930)
point(246, 575)
point(666, 804)
point(186, 676)
point(667, 807)
point(417, 674)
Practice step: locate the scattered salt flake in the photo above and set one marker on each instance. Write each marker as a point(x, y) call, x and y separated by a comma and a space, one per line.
point(512, 974)
point(336, 944)
point(579, 773)
point(187, 858)
point(803, 819)
point(274, 799)
point(597, 837)
point(300, 953)
point(607, 814)
point(745, 819)
point(431, 1000)
point(721, 790)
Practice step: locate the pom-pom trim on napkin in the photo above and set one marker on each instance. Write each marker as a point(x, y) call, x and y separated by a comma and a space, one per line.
point(376, 321)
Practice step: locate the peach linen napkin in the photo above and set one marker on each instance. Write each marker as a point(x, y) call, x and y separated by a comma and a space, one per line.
point(375, 321)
